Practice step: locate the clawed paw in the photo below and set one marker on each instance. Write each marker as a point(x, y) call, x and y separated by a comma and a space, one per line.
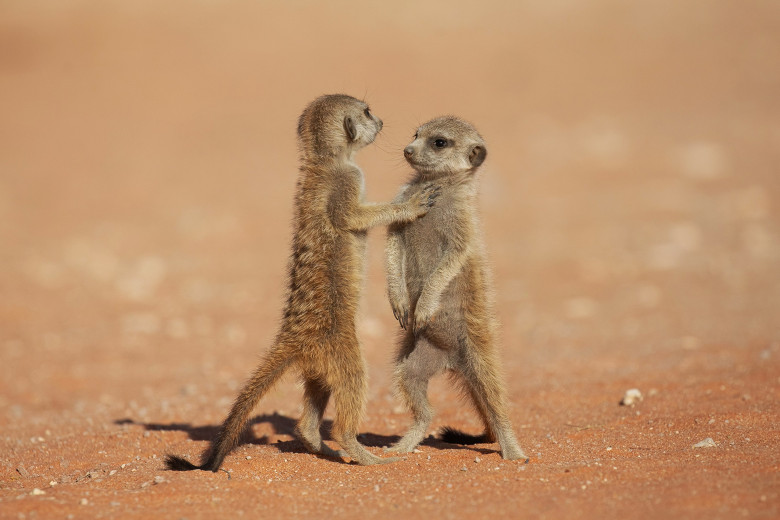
point(422, 322)
point(401, 313)
point(429, 193)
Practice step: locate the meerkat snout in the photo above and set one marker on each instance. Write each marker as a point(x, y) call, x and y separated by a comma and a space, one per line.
point(408, 151)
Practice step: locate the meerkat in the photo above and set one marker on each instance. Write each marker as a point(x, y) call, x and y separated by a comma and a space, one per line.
point(440, 289)
point(317, 332)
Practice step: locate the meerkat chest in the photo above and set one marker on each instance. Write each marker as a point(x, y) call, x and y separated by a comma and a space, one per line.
point(428, 238)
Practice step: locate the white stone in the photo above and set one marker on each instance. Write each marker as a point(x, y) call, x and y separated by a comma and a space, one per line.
point(706, 443)
point(631, 397)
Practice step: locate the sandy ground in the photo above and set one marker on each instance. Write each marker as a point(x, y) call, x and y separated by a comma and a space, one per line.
point(630, 203)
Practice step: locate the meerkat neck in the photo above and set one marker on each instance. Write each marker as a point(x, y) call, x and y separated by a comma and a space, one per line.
point(447, 178)
point(339, 157)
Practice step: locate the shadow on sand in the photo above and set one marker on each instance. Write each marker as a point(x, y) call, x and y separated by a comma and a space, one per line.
point(284, 425)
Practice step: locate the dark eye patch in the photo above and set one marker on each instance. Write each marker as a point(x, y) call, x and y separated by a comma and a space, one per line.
point(367, 112)
point(439, 142)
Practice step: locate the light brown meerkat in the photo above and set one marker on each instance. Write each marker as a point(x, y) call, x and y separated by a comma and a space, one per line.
point(440, 288)
point(317, 333)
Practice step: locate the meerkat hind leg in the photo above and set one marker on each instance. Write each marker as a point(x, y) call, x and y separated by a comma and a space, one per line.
point(483, 383)
point(413, 374)
point(348, 404)
point(315, 399)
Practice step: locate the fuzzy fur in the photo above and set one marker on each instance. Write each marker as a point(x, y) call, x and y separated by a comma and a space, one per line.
point(440, 289)
point(317, 334)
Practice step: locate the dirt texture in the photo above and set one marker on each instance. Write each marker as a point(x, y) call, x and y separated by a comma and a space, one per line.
point(631, 208)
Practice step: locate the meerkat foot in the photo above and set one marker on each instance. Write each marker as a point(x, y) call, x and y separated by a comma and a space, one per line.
point(358, 453)
point(513, 453)
point(407, 444)
point(313, 443)
point(510, 450)
point(327, 451)
point(366, 458)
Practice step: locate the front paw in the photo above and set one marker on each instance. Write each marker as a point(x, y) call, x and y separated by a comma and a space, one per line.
point(401, 313)
point(429, 194)
point(422, 320)
point(422, 201)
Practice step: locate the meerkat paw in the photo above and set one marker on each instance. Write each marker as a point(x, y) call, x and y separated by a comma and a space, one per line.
point(401, 313)
point(422, 319)
point(369, 459)
point(402, 446)
point(514, 453)
point(327, 451)
point(422, 201)
point(431, 191)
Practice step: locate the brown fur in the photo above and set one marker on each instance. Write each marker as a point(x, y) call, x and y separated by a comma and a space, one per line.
point(317, 334)
point(440, 289)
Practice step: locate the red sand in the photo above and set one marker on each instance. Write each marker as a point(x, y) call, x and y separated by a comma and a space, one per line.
point(630, 202)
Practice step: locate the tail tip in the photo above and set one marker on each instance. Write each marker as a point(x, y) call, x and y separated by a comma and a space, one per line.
point(454, 436)
point(176, 463)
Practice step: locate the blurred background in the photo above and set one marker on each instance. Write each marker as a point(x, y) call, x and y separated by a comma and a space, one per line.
point(148, 162)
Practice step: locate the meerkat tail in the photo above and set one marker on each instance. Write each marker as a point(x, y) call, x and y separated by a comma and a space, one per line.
point(454, 436)
point(276, 362)
point(176, 463)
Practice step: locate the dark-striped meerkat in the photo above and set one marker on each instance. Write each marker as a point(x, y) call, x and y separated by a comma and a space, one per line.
point(440, 288)
point(317, 334)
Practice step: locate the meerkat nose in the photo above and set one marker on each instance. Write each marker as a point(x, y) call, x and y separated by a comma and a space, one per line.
point(379, 123)
point(408, 151)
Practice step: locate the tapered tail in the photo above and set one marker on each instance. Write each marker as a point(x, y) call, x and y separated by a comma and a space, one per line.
point(176, 463)
point(453, 436)
point(276, 362)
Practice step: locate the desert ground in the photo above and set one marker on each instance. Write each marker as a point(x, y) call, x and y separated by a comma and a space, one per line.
point(630, 203)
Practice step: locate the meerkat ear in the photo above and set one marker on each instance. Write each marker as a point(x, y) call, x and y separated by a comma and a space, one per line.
point(349, 127)
point(477, 155)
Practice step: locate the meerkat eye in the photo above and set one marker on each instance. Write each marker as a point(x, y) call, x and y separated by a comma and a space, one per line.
point(367, 112)
point(415, 135)
point(440, 143)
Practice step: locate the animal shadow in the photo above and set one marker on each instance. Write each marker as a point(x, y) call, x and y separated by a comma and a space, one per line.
point(284, 425)
point(281, 425)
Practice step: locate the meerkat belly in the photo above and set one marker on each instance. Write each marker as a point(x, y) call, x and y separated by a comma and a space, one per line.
point(425, 248)
point(324, 287)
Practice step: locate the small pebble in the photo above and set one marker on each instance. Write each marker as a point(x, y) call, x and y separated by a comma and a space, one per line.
point(158, 479)
point(83, 501)
point(477, 460)
point(464, 468)
point(248, 457)
point(631, 397)
point(706, 443)
point(22, 471)
point(37, 492)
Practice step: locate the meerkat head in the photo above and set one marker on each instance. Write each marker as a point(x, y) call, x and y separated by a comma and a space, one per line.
point(446, 145)
point(336, 125)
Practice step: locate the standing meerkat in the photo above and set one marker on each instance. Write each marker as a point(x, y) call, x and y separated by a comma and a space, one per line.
point(317, 334)
point(440, 289)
